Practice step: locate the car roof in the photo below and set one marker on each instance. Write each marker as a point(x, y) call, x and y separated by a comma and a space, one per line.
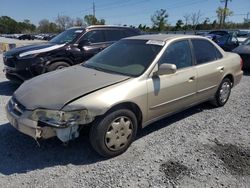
point(76, 27)
point(109, 26)
point(163, 37)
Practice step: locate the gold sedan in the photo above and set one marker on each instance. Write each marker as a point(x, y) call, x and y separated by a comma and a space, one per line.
point(129, 85)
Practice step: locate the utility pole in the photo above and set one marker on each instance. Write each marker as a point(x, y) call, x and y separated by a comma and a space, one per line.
point(224, 12)
point(93, 8)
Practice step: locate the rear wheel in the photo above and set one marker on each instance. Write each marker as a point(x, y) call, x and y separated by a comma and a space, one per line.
point(114, 133)
point(57, 65)
point(223, 92)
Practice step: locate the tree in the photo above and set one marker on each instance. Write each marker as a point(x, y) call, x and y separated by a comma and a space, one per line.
point(159, 19)
point(186, 19)
point(143, 27)
point(79, 22)
point(178, 25)
point(214, 24)
point(45, 26)
point(26, 26)
point(92, 20)
point(206, 24)
point(64, 22)
point(8, 25)
point(220, 14)
point(195, 19)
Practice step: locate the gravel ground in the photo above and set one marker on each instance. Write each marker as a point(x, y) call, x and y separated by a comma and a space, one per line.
point(200, 147)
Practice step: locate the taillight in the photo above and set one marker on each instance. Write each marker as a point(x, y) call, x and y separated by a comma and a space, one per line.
point(241, 63)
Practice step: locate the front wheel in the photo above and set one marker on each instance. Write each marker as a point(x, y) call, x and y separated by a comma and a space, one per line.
point(57, 65)
point(223, 92)
point(114, 133)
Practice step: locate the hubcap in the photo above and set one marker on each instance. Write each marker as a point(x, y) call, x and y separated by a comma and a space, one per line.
point(224, 91)
point(119, 133)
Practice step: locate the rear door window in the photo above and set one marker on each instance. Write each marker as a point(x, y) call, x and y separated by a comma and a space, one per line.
point(205, 51)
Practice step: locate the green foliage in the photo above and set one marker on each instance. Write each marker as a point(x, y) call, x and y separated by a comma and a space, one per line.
point(45, 26)
point(159, 20)
point(9, 25)
point(220, 14)
point(92, 20)
point(178, 25)
point(144, 28)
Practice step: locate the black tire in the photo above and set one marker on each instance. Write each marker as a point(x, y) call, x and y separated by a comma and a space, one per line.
point(57, 65)
point(102, 127)
point(219, 100)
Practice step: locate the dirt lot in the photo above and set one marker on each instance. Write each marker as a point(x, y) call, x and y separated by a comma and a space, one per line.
point(200, 147)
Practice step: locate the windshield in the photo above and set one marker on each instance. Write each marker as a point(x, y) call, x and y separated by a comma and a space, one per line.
point(127, 57)
point(67, 36)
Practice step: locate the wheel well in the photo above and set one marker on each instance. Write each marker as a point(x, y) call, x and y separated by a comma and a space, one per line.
point(61, 60)
point(231, 78)
point(130, 106)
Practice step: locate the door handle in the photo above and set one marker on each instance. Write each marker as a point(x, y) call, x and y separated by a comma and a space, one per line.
point(221, 69)
point(191, 79)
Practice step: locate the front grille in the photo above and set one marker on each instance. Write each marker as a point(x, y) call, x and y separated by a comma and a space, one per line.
point(15, 107)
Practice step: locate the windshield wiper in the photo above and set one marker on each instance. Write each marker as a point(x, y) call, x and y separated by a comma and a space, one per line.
point(104, 70)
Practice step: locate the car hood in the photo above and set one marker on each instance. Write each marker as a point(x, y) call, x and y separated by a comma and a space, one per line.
point(55, 89)
point(33, 49)
point(243, 49)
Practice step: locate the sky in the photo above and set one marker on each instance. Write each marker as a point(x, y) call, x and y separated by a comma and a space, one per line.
point(119, 12)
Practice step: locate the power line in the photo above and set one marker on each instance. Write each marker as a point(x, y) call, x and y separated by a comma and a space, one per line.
point(175, 5)
point(145, 12)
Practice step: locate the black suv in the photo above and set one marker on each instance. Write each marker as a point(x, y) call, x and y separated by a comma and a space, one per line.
point(70, 47)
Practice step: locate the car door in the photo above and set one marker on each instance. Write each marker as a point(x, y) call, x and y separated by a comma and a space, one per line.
point(209, 67)
point(172, 92)
point(91, 43)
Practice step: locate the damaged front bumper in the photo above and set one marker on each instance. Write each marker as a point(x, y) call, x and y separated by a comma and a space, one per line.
point(20, 119)
point(29, 127)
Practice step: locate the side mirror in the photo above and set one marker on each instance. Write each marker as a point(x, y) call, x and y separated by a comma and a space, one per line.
point(83, 43)
point(165, 69)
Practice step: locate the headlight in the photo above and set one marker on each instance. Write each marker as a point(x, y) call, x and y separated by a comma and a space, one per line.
point(59, 118)
point(23, 56)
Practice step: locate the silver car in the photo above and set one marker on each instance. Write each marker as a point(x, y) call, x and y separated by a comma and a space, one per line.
point(129, 85)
